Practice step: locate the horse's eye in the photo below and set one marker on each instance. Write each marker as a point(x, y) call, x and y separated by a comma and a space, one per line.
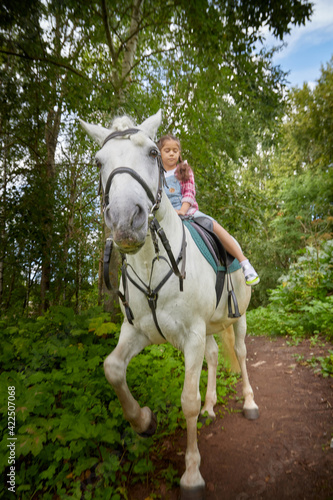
point(98, 163)
point(154, 153)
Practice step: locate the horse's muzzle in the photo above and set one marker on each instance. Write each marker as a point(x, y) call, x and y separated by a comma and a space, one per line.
point(128, 225)
point(128, 246)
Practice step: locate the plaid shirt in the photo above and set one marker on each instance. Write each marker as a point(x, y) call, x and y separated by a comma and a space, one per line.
point(188, 194)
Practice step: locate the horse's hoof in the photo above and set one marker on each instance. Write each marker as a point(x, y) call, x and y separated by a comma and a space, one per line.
point(197, 493)
point(150, 431)
point(251, 413)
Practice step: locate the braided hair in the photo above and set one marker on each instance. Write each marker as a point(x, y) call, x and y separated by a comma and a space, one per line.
point(183, 168)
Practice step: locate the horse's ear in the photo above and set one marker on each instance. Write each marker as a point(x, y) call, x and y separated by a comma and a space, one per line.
point(96, 132)
point(152, 123)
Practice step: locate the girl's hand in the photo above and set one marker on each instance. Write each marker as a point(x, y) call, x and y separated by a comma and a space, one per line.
point(184, 208)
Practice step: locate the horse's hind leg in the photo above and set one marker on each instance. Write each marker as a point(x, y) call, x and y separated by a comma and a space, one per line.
point(227, 337)
point(250, 409)
point(211, 355)
point(131, 342)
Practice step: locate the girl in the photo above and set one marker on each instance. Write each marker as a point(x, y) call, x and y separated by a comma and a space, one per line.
point(181, 192)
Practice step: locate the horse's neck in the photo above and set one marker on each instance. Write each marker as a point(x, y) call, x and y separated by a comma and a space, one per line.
point(170, 221)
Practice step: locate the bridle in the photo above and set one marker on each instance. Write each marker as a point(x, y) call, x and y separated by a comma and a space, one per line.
point(156, 200)
point(155, 230)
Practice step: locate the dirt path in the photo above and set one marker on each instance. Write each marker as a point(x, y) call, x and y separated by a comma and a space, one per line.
point(286, 453)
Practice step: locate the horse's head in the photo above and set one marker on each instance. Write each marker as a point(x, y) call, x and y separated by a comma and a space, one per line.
point(130, 177)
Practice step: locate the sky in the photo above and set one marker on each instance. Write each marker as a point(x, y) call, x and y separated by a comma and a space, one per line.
point(308, 47)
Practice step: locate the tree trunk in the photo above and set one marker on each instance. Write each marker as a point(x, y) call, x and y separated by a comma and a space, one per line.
point(110, 299)
point(3, 236)
point(132, 40)
point(51, 137)
point(78, 283)
point(12, 284)
point(69, 232)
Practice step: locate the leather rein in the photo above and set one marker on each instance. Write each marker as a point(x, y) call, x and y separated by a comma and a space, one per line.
point(156, 231)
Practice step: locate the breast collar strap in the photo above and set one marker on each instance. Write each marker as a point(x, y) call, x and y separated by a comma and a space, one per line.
point(152, 294)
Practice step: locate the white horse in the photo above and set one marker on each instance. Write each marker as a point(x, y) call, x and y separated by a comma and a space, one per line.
point(188, 319)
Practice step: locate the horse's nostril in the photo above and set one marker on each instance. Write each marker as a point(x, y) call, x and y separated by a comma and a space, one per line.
point(138, 217)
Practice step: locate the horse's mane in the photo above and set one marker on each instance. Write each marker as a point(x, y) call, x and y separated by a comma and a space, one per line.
point(121, 123)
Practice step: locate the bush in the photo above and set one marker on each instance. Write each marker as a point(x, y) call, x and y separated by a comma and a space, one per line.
point(72, 440)
point(309, 279)
point(302, 305)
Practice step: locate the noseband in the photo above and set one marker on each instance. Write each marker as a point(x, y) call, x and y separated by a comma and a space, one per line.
point(155, 229)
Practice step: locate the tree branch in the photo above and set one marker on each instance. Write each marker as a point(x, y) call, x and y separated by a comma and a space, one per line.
point(147, 56)
point(50, 61)
point(107, 32)
point(45, 60)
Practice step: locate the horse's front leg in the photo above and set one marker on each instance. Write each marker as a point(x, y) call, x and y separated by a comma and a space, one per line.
point(250, 409)
point(130, 343)
point(192, 484)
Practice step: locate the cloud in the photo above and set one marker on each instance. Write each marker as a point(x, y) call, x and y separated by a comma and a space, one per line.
point(323, 14)
point(317, 31)
point(307, 48)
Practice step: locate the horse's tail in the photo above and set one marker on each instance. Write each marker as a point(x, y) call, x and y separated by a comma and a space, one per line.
point(227, 337)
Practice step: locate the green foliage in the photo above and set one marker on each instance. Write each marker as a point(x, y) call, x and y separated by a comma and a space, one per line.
point(309, 278)
point(63, 429)
point(72, 439)
point(327, 364)
point(302, 305)
point(295, 180)
point(321, 364)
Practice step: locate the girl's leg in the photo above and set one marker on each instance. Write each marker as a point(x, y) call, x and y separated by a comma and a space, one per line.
point(229, 242)
point(231, 246)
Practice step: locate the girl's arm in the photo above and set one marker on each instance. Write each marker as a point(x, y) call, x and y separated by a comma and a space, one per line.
point(188, 195)
point(184, 208)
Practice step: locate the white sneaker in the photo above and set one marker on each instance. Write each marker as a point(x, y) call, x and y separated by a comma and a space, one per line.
point(251, 277)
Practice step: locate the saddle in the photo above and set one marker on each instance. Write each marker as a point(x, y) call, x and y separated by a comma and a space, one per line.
point(209, 244)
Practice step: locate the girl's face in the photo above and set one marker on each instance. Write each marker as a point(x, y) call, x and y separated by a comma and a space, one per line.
point(170, 153)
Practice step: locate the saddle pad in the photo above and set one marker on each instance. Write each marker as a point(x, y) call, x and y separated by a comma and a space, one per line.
point(234, 266)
